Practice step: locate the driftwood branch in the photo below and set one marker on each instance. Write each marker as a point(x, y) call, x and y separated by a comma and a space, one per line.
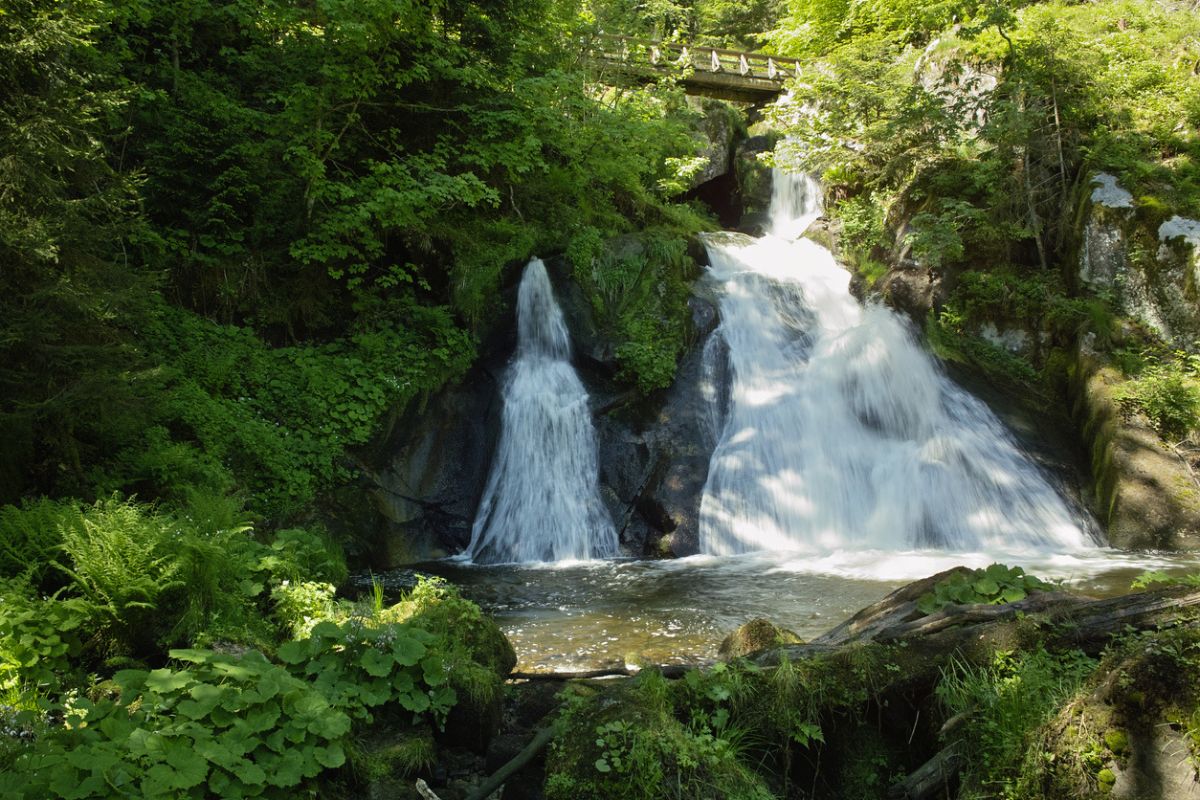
point(932, 778)
point(535, 746)
point(424, 790)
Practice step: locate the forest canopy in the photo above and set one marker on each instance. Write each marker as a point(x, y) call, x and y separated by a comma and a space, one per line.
point(234, 233)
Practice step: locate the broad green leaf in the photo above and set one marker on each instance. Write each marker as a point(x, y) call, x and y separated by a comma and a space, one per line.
point(375, 663)
point(248, 772)
point(332, 756)
point(432, 671)
point(293, 652)
point(193, 656)
point(165, 681)
point(407, 651)
point(987, 587)
point(262, 718)
point(414, 701)
point(191, 768)
point(1013, 593)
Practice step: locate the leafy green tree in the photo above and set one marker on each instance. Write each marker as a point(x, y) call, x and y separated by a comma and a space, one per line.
point(66, 217)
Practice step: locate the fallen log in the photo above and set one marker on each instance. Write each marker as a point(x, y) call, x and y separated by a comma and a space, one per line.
point(667, 670)
point(1068, 621)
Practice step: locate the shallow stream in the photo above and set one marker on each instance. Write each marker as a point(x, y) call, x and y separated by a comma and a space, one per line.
point(597, 614)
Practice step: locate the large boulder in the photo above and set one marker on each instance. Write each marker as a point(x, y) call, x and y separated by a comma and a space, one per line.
point(754, 636)
point(717, 126)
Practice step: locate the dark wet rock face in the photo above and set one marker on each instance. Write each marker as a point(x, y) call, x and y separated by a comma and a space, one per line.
point(427, 491)
point(753, 175)
point(654, 455)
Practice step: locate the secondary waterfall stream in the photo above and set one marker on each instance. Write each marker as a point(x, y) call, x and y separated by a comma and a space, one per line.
point(542, 501)
point(840, 432)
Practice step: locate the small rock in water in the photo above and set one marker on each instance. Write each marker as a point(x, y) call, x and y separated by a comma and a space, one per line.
point(757, 634)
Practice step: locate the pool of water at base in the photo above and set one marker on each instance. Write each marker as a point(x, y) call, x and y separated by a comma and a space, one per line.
point(591, 615)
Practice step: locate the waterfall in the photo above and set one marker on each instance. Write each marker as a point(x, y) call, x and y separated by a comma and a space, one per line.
point(542, 500)
point(839, 431)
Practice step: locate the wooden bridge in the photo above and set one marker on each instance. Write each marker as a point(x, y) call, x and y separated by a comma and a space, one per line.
point(710, 71)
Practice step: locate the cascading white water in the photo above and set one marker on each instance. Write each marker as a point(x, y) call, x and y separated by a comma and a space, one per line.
point(542, 501)
point(840, 432)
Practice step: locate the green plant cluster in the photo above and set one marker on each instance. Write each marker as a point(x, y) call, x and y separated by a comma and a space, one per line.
point(229, 721)
point(224, 726)
point(139, 579)
point(1005, 703)
point(1028, 300)
point(639, 287)
point(1163, 386)
point(360, 666)
point(666, 743)
point(994, 584)
point(731, 730)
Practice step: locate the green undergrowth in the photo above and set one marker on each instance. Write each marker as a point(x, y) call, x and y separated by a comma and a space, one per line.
point(1162, 386)
point(1141, 698)
point(1026, 301)
point(173, 655)
point(734, 730)
point(638, 287)
point(1005, 703)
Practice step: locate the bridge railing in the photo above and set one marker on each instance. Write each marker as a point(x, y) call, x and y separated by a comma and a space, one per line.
point(706, 59)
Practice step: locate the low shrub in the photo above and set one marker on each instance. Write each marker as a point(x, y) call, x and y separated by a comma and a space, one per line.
point(223, 726)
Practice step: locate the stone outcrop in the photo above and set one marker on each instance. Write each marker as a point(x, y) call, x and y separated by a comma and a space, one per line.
point(753, 182)
point(1150, 272)
point(1146, 495)
point(717, 129)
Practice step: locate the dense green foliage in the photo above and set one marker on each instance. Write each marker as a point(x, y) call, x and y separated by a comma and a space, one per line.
point(723, 23)
point(962, 136)
point(235, 234)
point(225, 722)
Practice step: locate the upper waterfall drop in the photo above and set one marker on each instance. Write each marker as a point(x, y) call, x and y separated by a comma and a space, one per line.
point(840, 431)
point(542, 500)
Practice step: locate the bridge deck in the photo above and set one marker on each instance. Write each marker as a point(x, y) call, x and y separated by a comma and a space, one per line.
point(727, 74)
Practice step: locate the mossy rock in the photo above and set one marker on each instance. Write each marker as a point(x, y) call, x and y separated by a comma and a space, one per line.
point(437, 607)
point(477, 657)
point(1145, 493)
point(1129, 731)
point(753, 636)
